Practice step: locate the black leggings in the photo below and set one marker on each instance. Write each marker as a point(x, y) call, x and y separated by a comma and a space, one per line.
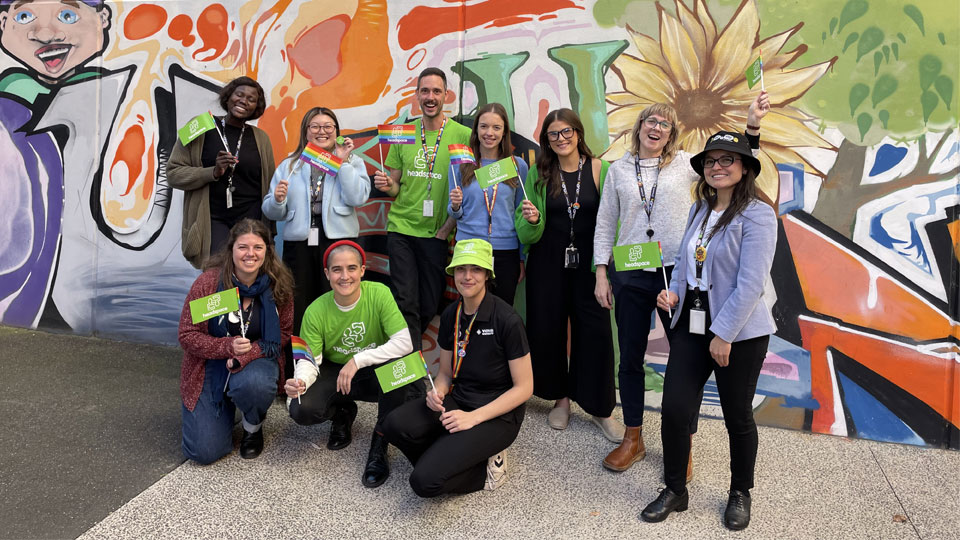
point(445, 462)
point(688, 369)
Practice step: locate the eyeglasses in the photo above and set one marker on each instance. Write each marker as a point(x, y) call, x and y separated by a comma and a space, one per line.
point(325, 127)
point(724, 161)
point(566, 133)
point(652, 122)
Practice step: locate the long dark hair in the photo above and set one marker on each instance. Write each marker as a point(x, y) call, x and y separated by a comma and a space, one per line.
point(306, 122)
point(281, 280)
point(229, 88)
point(744, 192)
point(506, 148)
point(548, 163)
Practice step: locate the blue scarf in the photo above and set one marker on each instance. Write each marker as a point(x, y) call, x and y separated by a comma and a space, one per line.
point(269, 318)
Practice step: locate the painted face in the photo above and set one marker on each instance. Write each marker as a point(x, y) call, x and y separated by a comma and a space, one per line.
point(243, 101)
point(563, 138)
point(722, 169)
point(53, 38)
point(248, 253)
point(653, 135)
point(430, 95)
point(470, 279)
point(490, 131)
point(322, 131)
point(344, 270)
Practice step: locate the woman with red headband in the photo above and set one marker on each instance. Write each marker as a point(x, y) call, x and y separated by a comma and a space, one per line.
point(350, 330)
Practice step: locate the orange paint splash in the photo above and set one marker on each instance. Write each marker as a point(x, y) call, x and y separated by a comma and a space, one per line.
point(212, 28)
point(954, 229)
point(180, 27)
point(422, 23)
point(144, 21)
point(130, 151)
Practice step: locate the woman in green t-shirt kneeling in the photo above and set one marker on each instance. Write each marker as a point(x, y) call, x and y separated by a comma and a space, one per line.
point(351, 330)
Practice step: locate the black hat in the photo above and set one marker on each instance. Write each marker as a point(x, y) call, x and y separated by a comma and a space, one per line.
point(731, 142)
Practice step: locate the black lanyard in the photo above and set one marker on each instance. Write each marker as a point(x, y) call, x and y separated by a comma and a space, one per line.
point(572, 207)
point(647, 206)
point(436, 151)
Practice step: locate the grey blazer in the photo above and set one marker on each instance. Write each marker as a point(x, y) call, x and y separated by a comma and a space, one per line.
point(739, 258)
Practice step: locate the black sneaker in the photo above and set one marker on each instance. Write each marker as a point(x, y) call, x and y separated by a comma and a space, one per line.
point(341, 426)
point(737, 515)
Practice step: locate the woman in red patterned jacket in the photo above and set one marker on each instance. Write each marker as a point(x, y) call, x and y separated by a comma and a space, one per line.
point(235, 361)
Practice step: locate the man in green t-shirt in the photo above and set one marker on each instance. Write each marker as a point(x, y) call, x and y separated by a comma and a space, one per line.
point(417, 225)
point(350, 330)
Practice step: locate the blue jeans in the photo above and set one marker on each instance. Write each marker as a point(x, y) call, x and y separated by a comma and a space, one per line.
point(208, 428)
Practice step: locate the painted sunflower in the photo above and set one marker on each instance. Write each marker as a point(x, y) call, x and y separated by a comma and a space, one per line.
point(701, 73)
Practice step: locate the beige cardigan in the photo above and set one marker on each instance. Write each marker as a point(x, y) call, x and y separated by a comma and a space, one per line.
point(185, 172)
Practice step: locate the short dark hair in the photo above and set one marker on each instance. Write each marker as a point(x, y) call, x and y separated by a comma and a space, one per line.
point(432, 71)
point(229, 88)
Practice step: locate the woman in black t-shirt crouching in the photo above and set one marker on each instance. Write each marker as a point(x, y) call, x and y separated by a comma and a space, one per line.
point(456, 439)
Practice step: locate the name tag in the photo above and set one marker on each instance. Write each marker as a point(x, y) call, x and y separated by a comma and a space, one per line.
point(698, 321)
point(428, 208)
point(313, 239)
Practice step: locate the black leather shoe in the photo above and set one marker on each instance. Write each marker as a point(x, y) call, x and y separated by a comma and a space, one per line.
point(666, 502)
point(251, 444)
point(737, 515)
point(378, 469)
point(341, 427)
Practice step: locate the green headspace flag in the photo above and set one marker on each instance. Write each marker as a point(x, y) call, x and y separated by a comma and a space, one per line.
point(753, 72)
point(401, 372)
point(214, 305)
point(637, 256)
point(195, 127)
point(496, 172)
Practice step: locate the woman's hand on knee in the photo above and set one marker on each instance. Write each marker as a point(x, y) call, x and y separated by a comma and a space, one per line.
point(457, 420)
point(294, 387)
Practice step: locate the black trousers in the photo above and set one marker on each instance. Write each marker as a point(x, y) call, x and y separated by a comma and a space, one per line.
point(688, 369)
point(445, 462)
point(321, 400)
point(555, 295)
point(506, 266)
point(417, 279)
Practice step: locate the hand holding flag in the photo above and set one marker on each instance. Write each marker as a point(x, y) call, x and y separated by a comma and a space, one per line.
point(317, 157)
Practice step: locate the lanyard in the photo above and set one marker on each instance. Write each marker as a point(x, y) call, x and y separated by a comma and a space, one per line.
point(647, 206)
point(461, 346)
point(236, 152)
point(316, 190)
point(572, 207)
point(700, 251)
point(490, 204)
point(436, 151)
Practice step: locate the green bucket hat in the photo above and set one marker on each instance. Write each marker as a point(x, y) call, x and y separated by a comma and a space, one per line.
point(472, 251)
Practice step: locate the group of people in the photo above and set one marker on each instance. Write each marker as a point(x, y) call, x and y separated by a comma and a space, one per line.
point(557, 231)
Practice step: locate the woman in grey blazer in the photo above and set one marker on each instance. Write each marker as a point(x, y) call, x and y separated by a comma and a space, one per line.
point(722, 324)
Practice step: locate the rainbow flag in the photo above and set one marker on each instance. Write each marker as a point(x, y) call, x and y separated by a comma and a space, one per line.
point(461, 153)
point(321, 159)
point(301, 351)
point(397, 133)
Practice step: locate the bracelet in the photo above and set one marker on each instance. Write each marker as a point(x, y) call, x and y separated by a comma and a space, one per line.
point(753, 128)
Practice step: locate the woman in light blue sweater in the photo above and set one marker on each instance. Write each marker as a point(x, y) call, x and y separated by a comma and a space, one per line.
point(318, 208)
point(488, 213)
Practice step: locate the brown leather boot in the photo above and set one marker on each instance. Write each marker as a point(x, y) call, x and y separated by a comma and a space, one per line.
point(630, 451)
point(690, 462)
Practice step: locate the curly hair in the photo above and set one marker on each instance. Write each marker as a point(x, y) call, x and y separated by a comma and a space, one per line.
point(231, 86)
point(281, 280)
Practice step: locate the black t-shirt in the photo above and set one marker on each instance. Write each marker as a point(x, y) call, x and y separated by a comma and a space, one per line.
point(497, 337)
point(246, 173)
point(556, 234)
point(252, 316)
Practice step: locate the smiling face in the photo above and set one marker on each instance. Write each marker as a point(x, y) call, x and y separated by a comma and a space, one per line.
point(243, 102)
point(562, 146)
point(344, 270)
point(653, 136)
point(490, 133)
point(322, 131)
point(470, 279)
point(721, 177)
point(249, 251)
point(430, 95)
point(53, 38)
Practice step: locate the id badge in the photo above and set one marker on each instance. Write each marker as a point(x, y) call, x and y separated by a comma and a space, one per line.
point(229, 199)
point(428, 208)
point(313, 239)
point(698, 321)
point(571, 257)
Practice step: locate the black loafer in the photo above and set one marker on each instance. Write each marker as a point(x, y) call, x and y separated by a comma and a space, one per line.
point(378, 469)
point(251, 444)
point(666, 502)
point(737, 515)
point(341, 427)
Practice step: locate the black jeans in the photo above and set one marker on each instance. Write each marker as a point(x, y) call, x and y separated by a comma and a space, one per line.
point(506, 266)
point(417, 278)
point(445, 462)
point(688, 369)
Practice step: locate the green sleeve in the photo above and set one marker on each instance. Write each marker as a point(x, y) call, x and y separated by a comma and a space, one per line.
point(604, 167)
point(390, 316)
point(311, 330)
point(527, 232)
point(393, 160)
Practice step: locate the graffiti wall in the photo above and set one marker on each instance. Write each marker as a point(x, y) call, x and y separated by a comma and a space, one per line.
point(861, 154)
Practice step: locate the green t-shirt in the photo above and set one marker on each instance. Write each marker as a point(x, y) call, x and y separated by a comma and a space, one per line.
point(406, 212)
point(340, 335)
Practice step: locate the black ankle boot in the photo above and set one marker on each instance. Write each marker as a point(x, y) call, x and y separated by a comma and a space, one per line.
point(378, 469)
point(341, 426)
point(251, 444)
point(737, 515)
point(666, 502)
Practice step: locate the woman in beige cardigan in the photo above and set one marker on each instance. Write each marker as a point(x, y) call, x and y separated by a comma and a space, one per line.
point(223, 173)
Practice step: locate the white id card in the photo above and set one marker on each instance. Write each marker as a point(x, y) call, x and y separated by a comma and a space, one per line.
point(229, 199)
point(313, 239)
point(428, 208)
point(698, 321)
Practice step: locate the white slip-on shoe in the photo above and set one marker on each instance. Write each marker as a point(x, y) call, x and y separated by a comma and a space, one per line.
point(612, 429)
point(559, 417)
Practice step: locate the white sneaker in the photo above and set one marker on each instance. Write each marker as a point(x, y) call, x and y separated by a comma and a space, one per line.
point(496, 471)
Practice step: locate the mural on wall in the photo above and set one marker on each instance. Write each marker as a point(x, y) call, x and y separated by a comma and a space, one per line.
point(860, 154)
